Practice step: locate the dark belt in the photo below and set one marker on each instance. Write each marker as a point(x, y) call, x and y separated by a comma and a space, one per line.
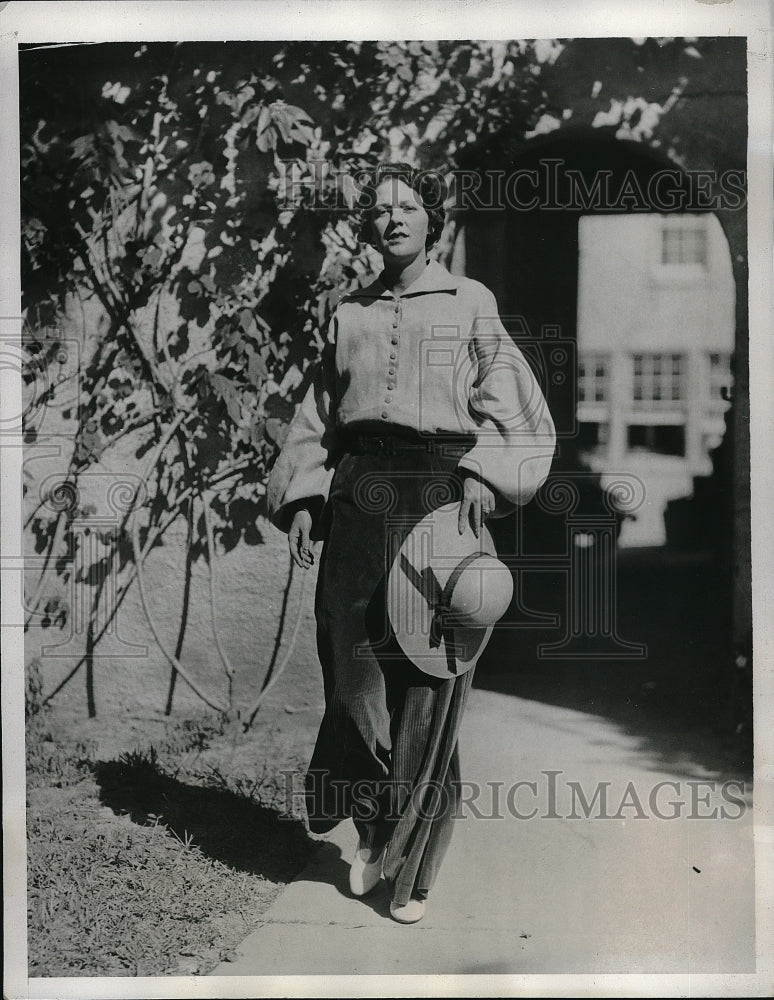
point(392, 443)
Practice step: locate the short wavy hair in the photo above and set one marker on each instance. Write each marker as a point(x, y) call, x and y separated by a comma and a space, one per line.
point(428, 184)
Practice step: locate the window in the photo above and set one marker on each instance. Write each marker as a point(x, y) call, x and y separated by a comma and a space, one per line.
point(684, 241)
point(593, 376)
point(592, 435)
point(657, 379)
point(662, 439)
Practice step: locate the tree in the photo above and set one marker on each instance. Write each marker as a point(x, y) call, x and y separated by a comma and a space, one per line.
point(199, 196)
point(181, 188)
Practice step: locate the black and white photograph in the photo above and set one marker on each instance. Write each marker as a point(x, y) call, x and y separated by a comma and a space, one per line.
point(386, 499)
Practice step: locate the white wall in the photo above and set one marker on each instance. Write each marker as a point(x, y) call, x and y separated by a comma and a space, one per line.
point(627, 299)
point(630, 302)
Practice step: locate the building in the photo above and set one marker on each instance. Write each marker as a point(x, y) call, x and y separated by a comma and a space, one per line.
point(655, 337)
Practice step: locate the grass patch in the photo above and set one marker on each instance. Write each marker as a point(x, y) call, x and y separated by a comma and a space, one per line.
point(152, 863)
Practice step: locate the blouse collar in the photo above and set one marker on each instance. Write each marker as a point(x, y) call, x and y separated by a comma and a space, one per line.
point(434, 278)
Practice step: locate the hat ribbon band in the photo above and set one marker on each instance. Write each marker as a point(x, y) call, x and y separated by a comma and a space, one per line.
point(442, 612)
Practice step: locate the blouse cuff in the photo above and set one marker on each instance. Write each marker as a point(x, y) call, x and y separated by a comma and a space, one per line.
point(282, 518)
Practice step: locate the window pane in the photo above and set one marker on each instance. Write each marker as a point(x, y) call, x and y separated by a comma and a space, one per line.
point(684, 242)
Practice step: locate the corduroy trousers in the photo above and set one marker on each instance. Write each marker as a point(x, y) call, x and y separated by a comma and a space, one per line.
point(386, 754)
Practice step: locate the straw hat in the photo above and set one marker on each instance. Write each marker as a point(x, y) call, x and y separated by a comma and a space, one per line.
point(445, 592)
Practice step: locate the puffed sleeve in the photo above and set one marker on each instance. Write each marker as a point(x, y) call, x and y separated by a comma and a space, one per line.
point(302, 474)
point(515, 435)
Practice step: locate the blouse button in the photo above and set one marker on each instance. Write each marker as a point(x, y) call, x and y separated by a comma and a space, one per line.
point(397, 307)
point(384, 416)
point(388, 399)
point(390, 371)
point(394, 340)
point(395, 323)
point(390, 386)
point(393, 356)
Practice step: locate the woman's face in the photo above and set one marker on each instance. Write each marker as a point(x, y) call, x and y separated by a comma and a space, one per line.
point(400, 222)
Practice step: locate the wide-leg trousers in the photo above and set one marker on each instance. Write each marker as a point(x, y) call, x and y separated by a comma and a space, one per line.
point(386, 754)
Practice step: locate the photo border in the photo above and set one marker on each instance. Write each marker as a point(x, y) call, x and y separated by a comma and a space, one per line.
point(273, 19)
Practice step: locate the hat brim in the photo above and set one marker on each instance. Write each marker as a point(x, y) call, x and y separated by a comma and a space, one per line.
point(434, 545)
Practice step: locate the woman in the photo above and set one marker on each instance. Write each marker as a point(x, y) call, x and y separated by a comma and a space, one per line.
point(421, 397)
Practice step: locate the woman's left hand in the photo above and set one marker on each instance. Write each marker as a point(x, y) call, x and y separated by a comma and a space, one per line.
point(478, 502)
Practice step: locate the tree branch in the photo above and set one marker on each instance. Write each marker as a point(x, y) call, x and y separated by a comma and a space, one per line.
point(273, 676)
point(186, 600)
point(227, 665)
point(173, 660)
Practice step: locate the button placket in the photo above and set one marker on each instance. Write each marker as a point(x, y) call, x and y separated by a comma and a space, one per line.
point(393, 354)
point(396, 313)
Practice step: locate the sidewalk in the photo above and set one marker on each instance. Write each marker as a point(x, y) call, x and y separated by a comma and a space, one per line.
point(615, 895)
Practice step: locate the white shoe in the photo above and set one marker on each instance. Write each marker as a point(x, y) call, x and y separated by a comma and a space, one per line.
point(409, 913)
point(365, 870)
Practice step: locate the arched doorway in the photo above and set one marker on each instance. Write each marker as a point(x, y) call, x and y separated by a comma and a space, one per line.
point(670, 606)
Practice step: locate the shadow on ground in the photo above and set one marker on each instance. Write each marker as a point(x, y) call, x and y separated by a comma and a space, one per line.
point(685, 699)
point(330, 868)
point(243, 834)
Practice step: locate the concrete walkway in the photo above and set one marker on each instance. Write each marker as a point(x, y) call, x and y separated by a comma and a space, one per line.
point(628, 894)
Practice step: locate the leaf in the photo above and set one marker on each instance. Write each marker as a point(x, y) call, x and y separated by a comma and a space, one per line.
point(124, 132)
point(303, 133)
point(300, 125)
point(297, 114)
point(247, 322)
point(267, 140)
point(251, 114)
point(282, 122)
point(266, 134)
point(231, 337)
point(151, 256)
point(229, 393)
point(83, 147)
point(256, 367)
point(264, 119)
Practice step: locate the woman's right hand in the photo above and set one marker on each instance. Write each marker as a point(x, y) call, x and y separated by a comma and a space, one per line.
point(299, 539)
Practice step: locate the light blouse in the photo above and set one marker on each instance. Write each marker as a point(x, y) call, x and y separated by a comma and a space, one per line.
point(435, 359)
